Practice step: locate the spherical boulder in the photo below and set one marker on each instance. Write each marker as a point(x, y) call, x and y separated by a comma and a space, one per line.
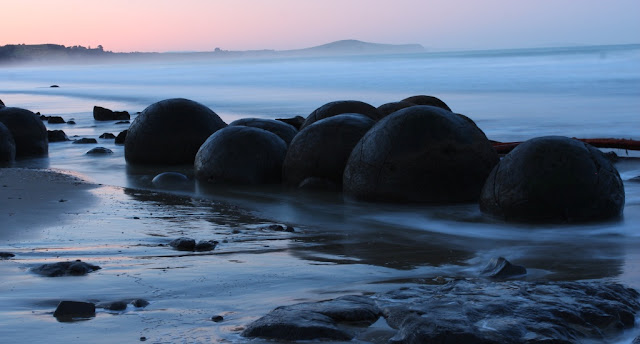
point(427, 100)
point(320, 151)
point(389, 108)
point(553, 179)
point(420, 154)
point(28, 131)
point(7, 145)
point(170, 132)
point(340, 107)
point(283, 130)
point(241, 155)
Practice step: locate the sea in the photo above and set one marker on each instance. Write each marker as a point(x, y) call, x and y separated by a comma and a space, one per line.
point(342, 246)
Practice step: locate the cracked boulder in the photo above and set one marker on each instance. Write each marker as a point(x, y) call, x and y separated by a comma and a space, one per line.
point(553, 179)
point(420, 154)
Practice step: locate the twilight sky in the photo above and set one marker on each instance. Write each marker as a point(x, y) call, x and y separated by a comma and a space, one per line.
point(202, 25)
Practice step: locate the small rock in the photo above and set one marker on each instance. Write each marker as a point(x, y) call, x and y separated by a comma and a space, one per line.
point(114, 306)
point(103, 114)
point(6, 255)
point(74, 268)
point(85, 140)
point(67, 310)
point(140, 303)
point(56, 136)
point(502, 268)
point(55, 120)
point(205, 245)
point(107, 136)
point(123, 122)
point(71, 122)
point(54, 86)
point(99, 151)
point(121, 137)
point(143, 339)
point(278, 228)
point(217, 318)
point(183, 244)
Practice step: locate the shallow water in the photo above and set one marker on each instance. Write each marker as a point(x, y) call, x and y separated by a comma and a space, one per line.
point(339, 247)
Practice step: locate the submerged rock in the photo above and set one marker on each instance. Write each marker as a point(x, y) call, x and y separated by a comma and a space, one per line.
point(68, 310)
point(312, 321)
point(341, 107)
point(122, 136)
point(553, 179)
point(502, 268)
point(85, 140)
point(107, 136)
point(140, 303)
point(389, 108)
point(99, 151)
point(28, 131)
point(6, 255)
point(104, 114)
point(73, 268)
point(188, 244)
point(113, 306)
point(170, 180)
point(170, 132)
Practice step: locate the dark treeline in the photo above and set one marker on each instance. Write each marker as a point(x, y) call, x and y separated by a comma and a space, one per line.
point(45, 52)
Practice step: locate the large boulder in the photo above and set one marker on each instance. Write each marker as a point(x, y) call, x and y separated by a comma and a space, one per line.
point(170, 132)
point(553, 178)
point(7, 145)
point(341, 107)
point(420, 154)
point(427, 100)
point(241, 155)
point(389, 108)
point(320, 151)
point(28, 131)
point(284, 130)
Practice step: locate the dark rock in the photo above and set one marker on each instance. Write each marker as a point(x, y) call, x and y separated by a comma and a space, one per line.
point(103, 114)
point(389, 108)
point(183, 244)
point(341, 107)
point(57, 136)
point(427, 100)
point(54, 86)
point(107, 136)
point(217, 318)
point(285, 131)
point(140, 303)
point(73, 268)
point(501, 268)
point(319, 184)
point(114, 306)
point(71, 122)
point(313, 321)
point(1, 103)
point(170, 180)
point(122, 136)
point(420, 154)
point(296, 122)
point(55, 120)
point(551, 179)
point(241, 155)
point(123, 122)
point(68, 310)
point(170, 132)
point(7, 145)
point(612, 156)
point(28, 131)
point(205, 245)
point(6, 255)
point(509, 312)
point(85, 140)
point(278, 228)
point(321, 150)
point(635, 179)
point(99, 151)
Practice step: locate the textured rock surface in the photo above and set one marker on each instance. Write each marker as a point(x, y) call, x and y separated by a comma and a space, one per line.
point(420, 154)
point(170, 132)
point(554, 178)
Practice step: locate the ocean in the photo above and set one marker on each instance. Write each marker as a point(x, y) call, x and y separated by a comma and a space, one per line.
point(512, 95)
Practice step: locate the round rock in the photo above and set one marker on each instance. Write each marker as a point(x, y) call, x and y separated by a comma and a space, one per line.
point(28, 131)
point(170, 180)
point(170, 132)
point(99, 151)
point(553, 179)
point(241, 155)
point(389, 108)
point(420, 154)
point(341, 107)
point(427, 100)
point(7, 145)
point(283, 130)
point(319, 153)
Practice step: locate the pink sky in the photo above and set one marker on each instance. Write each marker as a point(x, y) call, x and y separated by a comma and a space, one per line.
point(202, 25)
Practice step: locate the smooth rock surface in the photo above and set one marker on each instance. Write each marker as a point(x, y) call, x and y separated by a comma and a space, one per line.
point(104, 114)
point(7, 145)
point(341, 107)
point(499, 268)
point(28, 131)
point(427, 100)
point(285, 131)
point(553, 179)
point(99, 151)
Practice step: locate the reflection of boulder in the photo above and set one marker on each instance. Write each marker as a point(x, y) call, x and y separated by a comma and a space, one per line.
point(283, 130)
point(321, 150)
point(554, 178)
point(420, 154)
point(28, 131)
point(170, 132)
point(7, 145)
point(341, 107)
point(241, 155)
point(427, 100)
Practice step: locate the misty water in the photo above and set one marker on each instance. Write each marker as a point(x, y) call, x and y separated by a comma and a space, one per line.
point(341, 246)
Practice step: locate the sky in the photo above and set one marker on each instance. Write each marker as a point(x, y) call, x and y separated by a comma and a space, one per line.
point(203, 25)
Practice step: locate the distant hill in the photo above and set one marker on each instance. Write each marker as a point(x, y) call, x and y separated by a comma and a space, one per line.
point(55, 53)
